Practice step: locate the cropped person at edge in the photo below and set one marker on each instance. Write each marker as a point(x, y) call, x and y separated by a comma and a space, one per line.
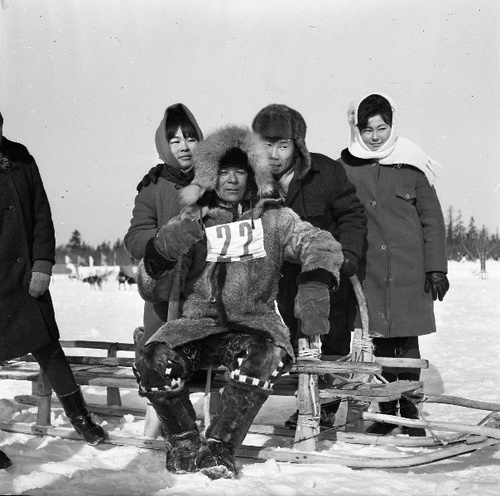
point(27, 255)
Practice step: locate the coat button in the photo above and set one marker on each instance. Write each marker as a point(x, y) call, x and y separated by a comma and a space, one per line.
point(12, 208)
point(407, 196)
point(213, 299)
point(373, 203)
point(383, 247)
point(177, 186)
point(20, 260)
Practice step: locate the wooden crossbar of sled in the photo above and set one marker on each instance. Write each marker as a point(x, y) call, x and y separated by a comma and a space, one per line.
point(352, 381)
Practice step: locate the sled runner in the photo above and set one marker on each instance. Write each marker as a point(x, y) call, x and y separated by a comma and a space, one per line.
point(352, 379)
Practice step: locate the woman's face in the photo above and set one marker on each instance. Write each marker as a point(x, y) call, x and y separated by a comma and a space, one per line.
point(232, 183)
point(182, 148)
point(376, 133)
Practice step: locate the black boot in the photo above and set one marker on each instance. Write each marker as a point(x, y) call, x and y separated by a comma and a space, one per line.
point(383, 428)
point(76, 410)
point(408, 409)
point(4, 460)
point(239, 404)
point(178, 421)
point(327, 418)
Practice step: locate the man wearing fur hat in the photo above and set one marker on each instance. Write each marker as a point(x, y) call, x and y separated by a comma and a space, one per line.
point(226, 247)
point(317, 189)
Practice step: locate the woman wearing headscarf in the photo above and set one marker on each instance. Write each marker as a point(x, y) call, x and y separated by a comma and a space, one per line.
point(157, 199)
point(404, 262)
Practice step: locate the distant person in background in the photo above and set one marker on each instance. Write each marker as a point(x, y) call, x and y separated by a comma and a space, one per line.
point(157, 199)
point(317, 189)
point(404, 266)
point(27, 254)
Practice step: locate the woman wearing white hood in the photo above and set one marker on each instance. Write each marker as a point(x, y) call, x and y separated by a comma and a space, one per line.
point(404, 262)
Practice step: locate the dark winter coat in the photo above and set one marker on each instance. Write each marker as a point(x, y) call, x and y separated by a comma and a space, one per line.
point(406, 238)
point(323, 196)
point(154, 205)
point(26, 241)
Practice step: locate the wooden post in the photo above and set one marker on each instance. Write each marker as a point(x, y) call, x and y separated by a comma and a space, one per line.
point(44, 392)
point(362, 351)
point(308, 398)
point(113, 393)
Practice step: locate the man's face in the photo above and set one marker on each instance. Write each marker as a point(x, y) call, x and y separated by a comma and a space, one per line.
point(232, 183)
point(281, 153)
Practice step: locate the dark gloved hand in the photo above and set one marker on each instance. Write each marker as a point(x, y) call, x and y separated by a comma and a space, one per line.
point(351, 264)
point(39, 284)
point(438, 283)
point(175, 239)
point(312, 306)
point(151, 177)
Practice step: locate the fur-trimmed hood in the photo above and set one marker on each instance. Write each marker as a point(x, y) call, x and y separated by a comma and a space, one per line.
point(208, 154)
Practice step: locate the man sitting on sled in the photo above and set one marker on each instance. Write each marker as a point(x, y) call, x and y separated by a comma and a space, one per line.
point(225, 250)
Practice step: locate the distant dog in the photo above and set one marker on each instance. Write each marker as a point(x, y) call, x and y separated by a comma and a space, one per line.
point(123, 279)
point(94, 281)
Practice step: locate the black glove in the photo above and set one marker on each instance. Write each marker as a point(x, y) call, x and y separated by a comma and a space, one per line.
point(438, 283)
point(351, 264)
point(151, 177)
point(312, 306)
point(175, 239)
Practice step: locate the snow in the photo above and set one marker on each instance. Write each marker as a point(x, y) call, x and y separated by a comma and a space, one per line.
point(464, 362)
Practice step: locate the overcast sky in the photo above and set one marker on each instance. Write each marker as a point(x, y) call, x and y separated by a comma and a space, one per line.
point(84, 85)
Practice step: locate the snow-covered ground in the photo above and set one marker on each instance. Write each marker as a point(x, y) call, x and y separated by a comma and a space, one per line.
point(464, 357)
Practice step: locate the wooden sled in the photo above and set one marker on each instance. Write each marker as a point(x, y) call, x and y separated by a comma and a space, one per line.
point(353, 380)
point(434, 452)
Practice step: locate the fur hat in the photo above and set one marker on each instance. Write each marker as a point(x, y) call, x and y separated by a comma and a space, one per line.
point(216, 149)
point(279, 121)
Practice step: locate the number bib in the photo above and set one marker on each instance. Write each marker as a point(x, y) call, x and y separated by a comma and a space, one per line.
point(235, 241)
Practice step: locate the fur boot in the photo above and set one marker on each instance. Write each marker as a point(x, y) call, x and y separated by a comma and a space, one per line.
point(182, 450)
point(76, 410)
point(239, 404)
point(178, 421)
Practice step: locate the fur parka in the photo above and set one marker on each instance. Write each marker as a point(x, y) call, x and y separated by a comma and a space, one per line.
point(239, 296)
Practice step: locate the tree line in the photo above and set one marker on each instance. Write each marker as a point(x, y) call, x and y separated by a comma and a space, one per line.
point(464, 241)
point(470, 242)
point(78, 252)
